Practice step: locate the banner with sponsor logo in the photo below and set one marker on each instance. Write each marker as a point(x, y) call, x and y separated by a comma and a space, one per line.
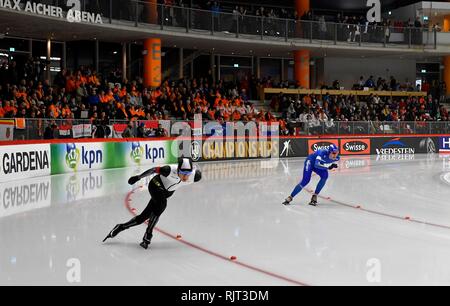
point(355, 147)
point(22, 161)
point(139, 153)
point(220, 149)
point(444, 145)
point(24, 195)
point(293, 147)
point(318, 144)
point(403, 145)
point(73, 157)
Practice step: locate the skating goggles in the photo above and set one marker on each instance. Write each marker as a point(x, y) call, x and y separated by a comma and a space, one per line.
point(185, 172)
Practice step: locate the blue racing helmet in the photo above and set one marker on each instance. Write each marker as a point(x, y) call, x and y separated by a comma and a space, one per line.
point(333, 149)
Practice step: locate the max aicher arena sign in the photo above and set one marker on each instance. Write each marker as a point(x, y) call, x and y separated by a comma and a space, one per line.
point(74, 14)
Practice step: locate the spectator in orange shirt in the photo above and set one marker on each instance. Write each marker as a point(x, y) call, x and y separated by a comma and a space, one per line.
point(2, 111)
point(10, 110)
point(211, 114)
point(66, 112)
point(93, 79)
point(71, 85)
point(236, 116)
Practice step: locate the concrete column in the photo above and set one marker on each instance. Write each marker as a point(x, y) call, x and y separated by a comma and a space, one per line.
point(447, 74)
point(152, 62)
point(301, 68)
point(301, 57)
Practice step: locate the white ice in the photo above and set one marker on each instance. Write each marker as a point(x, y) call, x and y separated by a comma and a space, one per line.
point(51, 228)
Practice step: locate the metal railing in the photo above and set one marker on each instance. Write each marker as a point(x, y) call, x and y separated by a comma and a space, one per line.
point(372, 127)
point(35, 129)
point(206, 22)
point(40, 128)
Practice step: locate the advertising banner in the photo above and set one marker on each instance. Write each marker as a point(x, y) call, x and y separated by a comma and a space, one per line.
point(293, 147)
point(317, 144)
point(355, 147)
point(23, 161)
point(220, 149)
point(73, 157)
point(444, 145)
point(403, 145)
point(144, 153)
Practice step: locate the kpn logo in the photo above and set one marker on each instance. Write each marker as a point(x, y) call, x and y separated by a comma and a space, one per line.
point(72, 155)
point(136, 152)
point(84, 157)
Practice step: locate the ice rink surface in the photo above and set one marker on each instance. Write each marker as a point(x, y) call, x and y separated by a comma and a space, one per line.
point(380, 221)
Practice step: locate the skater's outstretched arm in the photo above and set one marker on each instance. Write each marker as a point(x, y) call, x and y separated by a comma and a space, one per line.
point(165, 171)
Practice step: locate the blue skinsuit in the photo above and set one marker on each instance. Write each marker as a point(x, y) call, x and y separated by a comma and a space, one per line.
point(317, 162)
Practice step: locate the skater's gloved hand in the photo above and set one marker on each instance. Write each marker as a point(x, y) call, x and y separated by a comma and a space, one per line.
point(133, 179)
point(332, 166)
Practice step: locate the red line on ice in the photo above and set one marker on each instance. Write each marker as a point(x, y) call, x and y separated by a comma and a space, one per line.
point(212, 253)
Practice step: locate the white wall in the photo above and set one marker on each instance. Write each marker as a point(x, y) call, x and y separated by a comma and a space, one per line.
point(348, 70)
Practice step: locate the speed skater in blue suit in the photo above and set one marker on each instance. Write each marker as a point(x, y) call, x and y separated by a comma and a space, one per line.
point(319, 162)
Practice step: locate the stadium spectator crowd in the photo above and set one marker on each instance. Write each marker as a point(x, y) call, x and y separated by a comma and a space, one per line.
point(82, 94)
